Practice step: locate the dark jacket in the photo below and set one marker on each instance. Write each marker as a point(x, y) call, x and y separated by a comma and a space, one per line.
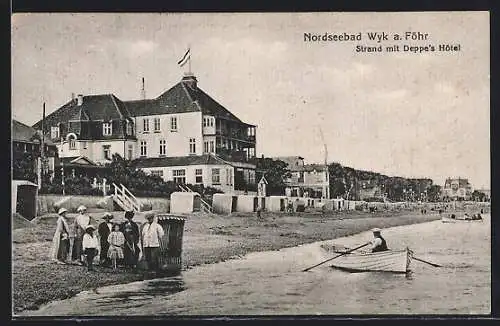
point(382, 246)
point(135, 230)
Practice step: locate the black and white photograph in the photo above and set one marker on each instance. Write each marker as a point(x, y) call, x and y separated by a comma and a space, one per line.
point(250, 164)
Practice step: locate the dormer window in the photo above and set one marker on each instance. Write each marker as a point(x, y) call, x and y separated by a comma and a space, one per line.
point(130, 128)
point(72, 142)
point(54, 132)
point(106, 128)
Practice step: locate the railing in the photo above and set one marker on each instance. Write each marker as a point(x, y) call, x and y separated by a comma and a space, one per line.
point(125, 198)
point(206, 207)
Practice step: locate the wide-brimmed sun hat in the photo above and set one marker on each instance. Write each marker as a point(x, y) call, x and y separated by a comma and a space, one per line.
point(376, 230)
point(90, 226)
point(81, 208)
point(62, 210)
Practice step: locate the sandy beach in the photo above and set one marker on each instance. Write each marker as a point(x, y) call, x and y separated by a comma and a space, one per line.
point(207, 239)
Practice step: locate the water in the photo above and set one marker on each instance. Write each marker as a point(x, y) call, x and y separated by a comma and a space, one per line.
point(271, 283)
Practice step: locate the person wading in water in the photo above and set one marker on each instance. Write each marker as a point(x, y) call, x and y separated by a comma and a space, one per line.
point(378, 243)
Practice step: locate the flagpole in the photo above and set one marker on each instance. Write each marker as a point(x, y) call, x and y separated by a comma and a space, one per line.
point(189, 47)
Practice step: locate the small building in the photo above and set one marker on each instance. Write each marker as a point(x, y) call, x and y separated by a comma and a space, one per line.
point(24, 194)
point(457, 189)
point(27, 151)
point(224, 203)
point(185, 202)
point(307, 180)
point(276, 203)
point(247, 203)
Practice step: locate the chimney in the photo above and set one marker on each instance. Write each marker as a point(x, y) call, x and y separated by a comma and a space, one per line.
point(80, 99)
point(190, 80)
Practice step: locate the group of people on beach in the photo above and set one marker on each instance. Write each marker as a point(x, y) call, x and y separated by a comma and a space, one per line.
point(115, 243)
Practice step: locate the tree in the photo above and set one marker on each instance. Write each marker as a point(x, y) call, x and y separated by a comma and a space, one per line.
point(479, 195)
point(24, 167)
point(275, 172)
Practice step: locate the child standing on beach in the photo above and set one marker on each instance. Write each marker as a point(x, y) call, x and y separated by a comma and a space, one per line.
point(90, 246)
point(116, 240)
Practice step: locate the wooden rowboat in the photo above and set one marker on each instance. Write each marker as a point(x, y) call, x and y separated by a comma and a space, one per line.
point(393, 261)
point(446, 219)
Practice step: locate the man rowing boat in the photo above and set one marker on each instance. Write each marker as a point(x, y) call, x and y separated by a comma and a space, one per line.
point(378, 242)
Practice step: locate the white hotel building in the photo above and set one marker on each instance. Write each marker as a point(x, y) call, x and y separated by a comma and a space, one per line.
point(183, 135)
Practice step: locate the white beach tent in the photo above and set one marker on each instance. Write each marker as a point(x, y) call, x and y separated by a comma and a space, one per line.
point(184, 202)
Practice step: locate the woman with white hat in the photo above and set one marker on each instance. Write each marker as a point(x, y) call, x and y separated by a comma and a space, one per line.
point(378, 242)
point(82, 220)
point(60, 242)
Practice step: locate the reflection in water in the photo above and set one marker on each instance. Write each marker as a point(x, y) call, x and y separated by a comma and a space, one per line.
point(273, 282)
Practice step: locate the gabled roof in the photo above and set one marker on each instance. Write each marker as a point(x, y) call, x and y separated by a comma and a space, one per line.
point(27, 134)
point(94, 107)
point(22, 132)
point(181, 98)
point(81, 160)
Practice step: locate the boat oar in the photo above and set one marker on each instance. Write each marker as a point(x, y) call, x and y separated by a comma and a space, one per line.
point(342, 254)
point(427, 262)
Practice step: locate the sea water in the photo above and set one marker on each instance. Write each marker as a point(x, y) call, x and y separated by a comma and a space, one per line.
point(273, 283)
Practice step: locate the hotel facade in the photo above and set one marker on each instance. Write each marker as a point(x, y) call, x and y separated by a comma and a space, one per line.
point(183, 135)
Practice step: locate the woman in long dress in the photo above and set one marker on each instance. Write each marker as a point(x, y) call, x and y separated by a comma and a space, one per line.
point(60, 241)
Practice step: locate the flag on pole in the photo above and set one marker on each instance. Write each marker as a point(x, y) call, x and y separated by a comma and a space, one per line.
point(185, 58)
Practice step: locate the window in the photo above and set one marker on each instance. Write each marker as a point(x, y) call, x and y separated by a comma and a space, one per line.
point(72, 143)
point(211, 121)
point(212, 149)
point(107, 151)
point(130, 128)
point(199, 176)
point(144, 149)
point(54, 132)
point(216, 176)
point(179, 176)
point(157, 173)
point(227, 177)
point(204, 122)
point(205, 147)
point(157, 124)
point(163, 147)
point(145, 126)
point(106, 128)
point(173, 124)
point(192, 146)
point(130, 151)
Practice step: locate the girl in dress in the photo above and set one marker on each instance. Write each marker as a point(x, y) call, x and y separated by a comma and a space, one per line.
point(116, 241)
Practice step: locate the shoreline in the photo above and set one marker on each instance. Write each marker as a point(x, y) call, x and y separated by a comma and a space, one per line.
point(208, 239)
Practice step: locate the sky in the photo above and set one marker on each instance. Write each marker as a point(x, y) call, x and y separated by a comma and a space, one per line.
point(400, 113)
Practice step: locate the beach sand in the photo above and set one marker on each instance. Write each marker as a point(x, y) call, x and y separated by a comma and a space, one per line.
point(207, 239)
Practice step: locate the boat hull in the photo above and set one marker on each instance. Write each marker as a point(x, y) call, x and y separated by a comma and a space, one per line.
point(457, 220)
point(393, 261)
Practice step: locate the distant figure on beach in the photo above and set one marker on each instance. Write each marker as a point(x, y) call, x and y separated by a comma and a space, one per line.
point(131, 249)
point(152, 233)
point(104, 229)
point(60, 241)
point(378, 242)
point(81, 222)
point(116, 242)
point(90, 246)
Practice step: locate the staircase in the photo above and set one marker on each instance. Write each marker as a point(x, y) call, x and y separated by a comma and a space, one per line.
point(125, 199)
point(205, 206)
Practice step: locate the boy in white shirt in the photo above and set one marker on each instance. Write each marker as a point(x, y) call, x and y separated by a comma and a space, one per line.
point(152, 234)
point(90, 245)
